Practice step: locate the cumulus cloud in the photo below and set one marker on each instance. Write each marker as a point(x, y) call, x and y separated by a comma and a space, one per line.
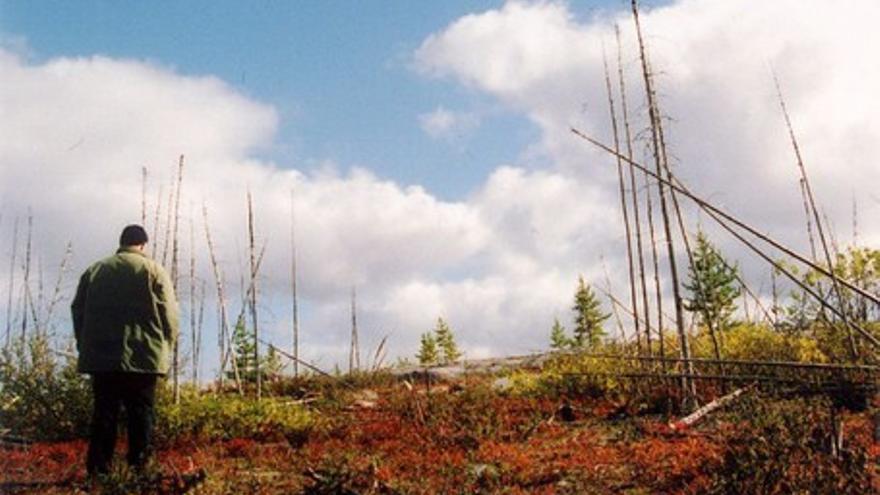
point(726, 131)
point(502, 262)
point(443, 123)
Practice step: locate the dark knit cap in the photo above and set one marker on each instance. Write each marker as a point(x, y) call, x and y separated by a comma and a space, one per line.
point(133, 235)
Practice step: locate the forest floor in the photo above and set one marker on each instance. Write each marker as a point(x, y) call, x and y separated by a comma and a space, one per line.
point(468, 437)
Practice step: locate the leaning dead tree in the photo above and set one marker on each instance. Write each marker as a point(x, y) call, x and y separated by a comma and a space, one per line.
point(223, 332)
point(634, 192)
point(805, 181)
point(731, 223)
point(623, 204)
point(661, 165)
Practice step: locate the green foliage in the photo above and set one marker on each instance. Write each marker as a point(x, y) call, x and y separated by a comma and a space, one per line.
point(588, 331)
point(712, 285)
point(446, 342)
point(784, 447)
point(428, 354)
point(558, 339)
point(803, 313)
point(223, 417)
point(438, 346)
point(761, 343)
point(243, 344)
point(40, 398)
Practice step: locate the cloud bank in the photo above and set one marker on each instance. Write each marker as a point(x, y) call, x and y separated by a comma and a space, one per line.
point(501, 263)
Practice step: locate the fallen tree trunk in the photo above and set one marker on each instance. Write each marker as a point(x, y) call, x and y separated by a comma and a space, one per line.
point(697, 415)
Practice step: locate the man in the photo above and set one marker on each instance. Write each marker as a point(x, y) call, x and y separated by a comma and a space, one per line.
point(125, 319)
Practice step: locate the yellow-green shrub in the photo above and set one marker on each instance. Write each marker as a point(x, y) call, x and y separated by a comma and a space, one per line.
point(222, 417)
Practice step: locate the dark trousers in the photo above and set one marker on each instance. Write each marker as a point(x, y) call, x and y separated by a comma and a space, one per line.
point(137, 393)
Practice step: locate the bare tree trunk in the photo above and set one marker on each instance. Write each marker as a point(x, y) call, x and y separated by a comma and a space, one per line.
point(722, 218)
point(614, 302)
point(634, 191)
point(253, 295)
point(687, 383)
point(293, 283)
point(26, 291)
point(144, 197)
point(155, 249)
point(854, 354)
point(192, 298)
point(223, 330)
point(354, 355)
point(655, 262)
point(56, 294)
point(12, 260)
point(175, 274)
point(623, 207)
point(197, 344)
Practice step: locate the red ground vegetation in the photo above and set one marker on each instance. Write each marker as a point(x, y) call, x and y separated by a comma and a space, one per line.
point(451, 442)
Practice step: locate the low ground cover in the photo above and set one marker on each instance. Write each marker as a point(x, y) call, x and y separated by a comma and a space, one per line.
point(468, 437)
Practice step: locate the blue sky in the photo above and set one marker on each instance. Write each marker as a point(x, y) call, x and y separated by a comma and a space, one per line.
point(428, 142)
point(339, 73)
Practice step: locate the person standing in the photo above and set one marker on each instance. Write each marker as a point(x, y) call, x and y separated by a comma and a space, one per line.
point(125, 320)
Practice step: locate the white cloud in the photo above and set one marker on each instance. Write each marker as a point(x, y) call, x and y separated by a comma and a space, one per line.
point(726, 130)
point(443, 123)
point(500, 264)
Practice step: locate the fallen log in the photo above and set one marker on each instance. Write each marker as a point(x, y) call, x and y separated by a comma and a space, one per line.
point(697, 415)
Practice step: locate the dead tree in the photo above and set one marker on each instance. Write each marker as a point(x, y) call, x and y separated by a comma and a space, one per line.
point(174, 272)
point(144, 197)
point(819, 230)
point(26, 287)
point(223, 330)
point(634, 192)
point(728, 222)
point(354, 354)
point(12, 260)
point(659, 160)
point(253, 295)
point(623, 206)
point(293, 284)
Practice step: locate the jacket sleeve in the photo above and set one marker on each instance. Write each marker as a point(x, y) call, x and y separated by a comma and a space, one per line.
point(167, 303)
point(78, 306)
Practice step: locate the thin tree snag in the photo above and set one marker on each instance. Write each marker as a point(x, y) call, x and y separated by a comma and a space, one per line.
point(174, 272)
point(223, 329)
point(154, 250)
point(700, 413)
point(26, 292)
point(354, 354)
point(722, 218)
point(12, 260)
point(623, 207)
point(633, 190)
point(253, 294)
point(659, 162)
point(706, 206)
point(805, 181)
point(293, 287)
point(614, 303)
point(144, 197)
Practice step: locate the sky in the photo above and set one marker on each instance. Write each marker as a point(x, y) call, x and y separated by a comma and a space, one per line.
point(425, 147)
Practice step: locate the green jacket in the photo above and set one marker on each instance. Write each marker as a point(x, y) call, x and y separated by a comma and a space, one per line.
point(125, 315)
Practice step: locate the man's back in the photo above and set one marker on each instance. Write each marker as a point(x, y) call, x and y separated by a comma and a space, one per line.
point(125, 315)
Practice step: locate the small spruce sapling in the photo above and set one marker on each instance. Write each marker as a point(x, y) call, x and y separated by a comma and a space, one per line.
point(588, 331)
point(428, 354)
point(558, 339)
